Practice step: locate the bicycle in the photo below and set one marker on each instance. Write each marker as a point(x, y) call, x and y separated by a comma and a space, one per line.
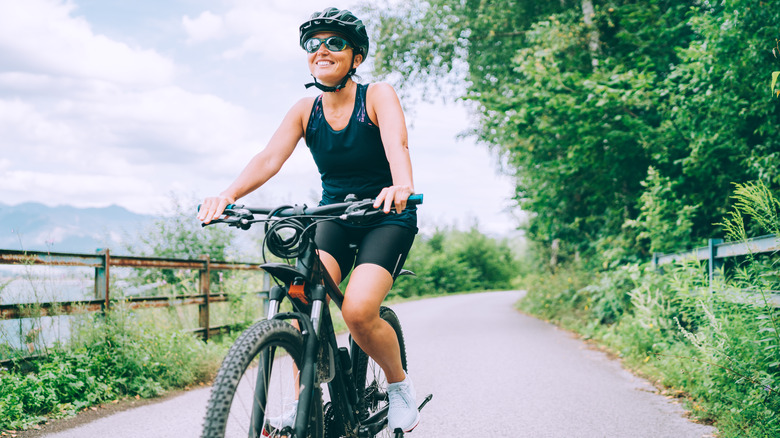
point(269, 384)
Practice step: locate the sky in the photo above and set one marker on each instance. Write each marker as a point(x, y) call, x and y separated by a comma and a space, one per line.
point(132, 102)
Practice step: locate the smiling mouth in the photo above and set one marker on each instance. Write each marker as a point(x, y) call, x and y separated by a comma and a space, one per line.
point(323, 63)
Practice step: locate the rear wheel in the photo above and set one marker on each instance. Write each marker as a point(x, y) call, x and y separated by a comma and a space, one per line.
point(369, 377)
point(255, 391)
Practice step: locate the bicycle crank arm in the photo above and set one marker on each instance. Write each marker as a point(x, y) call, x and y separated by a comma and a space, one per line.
point(425, 402)
point(400, 433)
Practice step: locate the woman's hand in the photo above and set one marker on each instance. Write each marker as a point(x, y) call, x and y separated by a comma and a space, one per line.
point(393, 195)
point(213, 207)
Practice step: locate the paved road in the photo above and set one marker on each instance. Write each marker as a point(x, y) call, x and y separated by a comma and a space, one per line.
point(493, 372)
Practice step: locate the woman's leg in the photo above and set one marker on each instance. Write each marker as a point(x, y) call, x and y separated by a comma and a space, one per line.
point(368, 286)
point(381, 255)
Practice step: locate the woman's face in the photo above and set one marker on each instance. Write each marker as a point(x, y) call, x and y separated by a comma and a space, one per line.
point(330, 67)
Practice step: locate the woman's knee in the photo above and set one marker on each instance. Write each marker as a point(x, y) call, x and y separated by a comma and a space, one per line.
point(359, 318)
point(365, 292)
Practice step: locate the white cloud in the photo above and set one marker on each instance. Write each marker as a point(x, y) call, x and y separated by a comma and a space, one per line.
point(43, 36)
point(84, 126)
point(268, 28)
point(127, 134)
point(207, 26)
point(90, 121)
point(26, 131)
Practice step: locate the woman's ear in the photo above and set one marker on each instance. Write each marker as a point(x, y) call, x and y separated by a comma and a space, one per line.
point(357, 61)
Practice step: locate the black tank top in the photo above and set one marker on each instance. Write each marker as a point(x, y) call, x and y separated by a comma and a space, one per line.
point(352, 160)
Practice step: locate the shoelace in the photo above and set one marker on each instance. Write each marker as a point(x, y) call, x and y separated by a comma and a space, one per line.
point(397, 397)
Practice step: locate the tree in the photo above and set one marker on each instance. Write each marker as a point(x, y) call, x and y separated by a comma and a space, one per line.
point(582, 105)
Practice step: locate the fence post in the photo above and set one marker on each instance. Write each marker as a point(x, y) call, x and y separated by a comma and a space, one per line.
point(205, 291)
point(102, 278)
point(713, 264)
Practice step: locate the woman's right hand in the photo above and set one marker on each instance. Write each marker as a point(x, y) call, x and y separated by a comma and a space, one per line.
point(212, 207)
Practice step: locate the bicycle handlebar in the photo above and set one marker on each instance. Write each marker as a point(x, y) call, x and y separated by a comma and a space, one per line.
point(241, 216)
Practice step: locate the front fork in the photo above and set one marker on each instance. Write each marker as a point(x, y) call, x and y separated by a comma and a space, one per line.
point(310, 329)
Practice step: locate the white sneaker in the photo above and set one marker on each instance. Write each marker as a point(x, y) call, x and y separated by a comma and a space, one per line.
point(403, 413)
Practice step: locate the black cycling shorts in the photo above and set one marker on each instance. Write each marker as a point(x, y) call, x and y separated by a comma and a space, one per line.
point(383, 245)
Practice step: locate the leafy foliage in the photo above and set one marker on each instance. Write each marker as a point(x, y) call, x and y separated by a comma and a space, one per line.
point(457, 261)
point(111, 357)
point(612, 143)
point(720, 348)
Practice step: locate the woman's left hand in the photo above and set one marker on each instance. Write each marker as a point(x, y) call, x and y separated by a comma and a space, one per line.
point(393, 196)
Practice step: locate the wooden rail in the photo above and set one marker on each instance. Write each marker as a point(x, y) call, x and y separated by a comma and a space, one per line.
point(102, 261)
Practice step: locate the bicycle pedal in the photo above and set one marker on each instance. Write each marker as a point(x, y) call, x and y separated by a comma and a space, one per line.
point(425, 402)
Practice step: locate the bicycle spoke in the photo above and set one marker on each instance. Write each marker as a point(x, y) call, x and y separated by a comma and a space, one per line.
point(265, 409)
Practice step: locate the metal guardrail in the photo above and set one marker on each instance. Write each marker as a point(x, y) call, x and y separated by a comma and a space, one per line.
point(102, 261)
point(717, 250)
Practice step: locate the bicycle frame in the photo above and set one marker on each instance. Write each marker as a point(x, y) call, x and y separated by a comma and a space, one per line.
point(308, 286)
point(308, 279)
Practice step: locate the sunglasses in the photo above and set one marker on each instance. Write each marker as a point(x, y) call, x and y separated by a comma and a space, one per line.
point(332, 43)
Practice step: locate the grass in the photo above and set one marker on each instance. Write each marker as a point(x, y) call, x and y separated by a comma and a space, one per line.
point(123, 353)
point(718, 355)
point(110, 357)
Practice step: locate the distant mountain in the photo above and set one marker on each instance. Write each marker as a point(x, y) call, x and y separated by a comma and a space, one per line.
point(37, 227)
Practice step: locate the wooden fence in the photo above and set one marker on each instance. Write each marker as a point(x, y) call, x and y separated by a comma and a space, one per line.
point(103, 261)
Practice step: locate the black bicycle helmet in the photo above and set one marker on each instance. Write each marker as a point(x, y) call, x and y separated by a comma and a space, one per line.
point(339, 21)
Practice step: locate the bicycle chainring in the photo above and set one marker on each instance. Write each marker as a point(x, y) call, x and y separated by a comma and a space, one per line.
point(334, 428)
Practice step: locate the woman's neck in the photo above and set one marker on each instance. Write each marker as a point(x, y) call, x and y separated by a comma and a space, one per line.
point(342, 96)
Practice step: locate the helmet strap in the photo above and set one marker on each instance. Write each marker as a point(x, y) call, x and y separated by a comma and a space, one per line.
point(328, 89)
point(338, 87)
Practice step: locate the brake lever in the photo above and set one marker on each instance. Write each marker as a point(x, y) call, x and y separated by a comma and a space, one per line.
point(235, 217)
point(358, 207)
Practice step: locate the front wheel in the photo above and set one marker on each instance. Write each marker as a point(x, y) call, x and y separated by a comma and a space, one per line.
point(255, 391)
point(370, 380)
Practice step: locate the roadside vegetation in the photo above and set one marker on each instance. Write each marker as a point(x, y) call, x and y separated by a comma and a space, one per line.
point(631, 128)
point(715, 345)
point(121, 354)
point(457, 261)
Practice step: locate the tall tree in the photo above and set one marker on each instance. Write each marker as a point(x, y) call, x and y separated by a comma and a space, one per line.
point(595, 103)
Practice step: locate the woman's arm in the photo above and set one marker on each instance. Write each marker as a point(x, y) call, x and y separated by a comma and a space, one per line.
point(264, 165)
point(382, 102)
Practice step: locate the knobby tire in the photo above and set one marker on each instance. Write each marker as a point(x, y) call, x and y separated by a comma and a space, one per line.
point(274, 346)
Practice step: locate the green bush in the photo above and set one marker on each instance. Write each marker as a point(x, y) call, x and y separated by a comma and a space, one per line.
point(110, 357)
point(456, 261)
point(717, 343)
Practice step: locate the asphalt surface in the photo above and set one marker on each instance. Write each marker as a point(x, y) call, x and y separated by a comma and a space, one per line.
point(493, 372)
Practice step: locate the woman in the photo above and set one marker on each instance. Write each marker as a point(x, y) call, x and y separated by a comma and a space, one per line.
point(357, 136)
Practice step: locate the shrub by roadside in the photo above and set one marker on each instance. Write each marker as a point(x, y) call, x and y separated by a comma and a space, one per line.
point(717, 343)
point(713, 347)
point(111, 357)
